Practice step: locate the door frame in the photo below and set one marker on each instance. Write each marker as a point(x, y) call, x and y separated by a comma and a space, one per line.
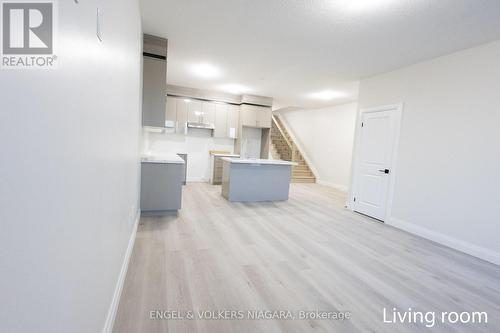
point(398, 111)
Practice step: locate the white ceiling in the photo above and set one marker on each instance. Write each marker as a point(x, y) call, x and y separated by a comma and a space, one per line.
point(287, 49)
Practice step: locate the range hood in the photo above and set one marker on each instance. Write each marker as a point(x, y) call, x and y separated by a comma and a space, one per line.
point(200, 125)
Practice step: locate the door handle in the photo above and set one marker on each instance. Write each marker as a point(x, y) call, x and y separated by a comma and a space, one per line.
point(384, 170)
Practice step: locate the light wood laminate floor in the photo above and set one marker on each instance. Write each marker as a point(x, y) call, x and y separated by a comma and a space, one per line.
point(308, 253)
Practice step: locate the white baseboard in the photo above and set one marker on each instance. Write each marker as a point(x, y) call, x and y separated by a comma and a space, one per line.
point(454, 243)
point(339, 187)
point(110, 319)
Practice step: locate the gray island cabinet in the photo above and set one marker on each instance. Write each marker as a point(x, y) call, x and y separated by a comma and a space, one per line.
point(161, 184)
point(252, 180)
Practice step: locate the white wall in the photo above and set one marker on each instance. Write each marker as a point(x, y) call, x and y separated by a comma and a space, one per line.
point(69, 173)
point(326, 136)
point(447, 185)
point(196, 144)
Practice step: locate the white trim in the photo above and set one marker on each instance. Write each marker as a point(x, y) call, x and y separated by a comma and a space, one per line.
point(110, 319)
point(454, 243)
point(339, 187)
point(298, 144)
point(398, 109)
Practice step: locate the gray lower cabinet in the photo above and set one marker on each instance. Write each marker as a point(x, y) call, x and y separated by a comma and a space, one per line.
point(184, 174)
point(254, 182)
point(161, 188)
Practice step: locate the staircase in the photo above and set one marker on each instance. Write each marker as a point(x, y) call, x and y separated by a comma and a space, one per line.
point(283, 148)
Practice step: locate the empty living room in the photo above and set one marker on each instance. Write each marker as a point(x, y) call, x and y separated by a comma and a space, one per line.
point(249, 166)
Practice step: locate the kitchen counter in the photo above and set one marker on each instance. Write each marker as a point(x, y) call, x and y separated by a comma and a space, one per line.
point(168, 158)
point(258, 161)
point(253, 180)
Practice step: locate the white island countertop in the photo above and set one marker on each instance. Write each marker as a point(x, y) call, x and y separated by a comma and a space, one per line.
point(166, 158)
point(257, 161)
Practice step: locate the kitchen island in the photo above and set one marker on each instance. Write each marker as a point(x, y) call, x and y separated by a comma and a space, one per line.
point(252, 180)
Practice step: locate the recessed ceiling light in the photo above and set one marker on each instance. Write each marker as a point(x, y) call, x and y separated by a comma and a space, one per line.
point(205, 71)
point(326, 95)
point(187, 100)
point(234, 88)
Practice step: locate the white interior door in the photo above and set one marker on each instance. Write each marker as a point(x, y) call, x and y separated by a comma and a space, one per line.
point(374, 164)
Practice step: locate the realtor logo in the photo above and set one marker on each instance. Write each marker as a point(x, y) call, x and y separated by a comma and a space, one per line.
point(28, 34)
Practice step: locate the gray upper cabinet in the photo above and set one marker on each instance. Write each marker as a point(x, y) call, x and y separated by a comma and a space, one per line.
point(171, 120)
point(154, 91)
point(220, 129)
point(208, 113)
point(182, 115)
point(223, 117)
point(194, 111)
point(264, 117)
point(201, 112)
point(233, 117)
point(248, 117)
point(255, 116)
